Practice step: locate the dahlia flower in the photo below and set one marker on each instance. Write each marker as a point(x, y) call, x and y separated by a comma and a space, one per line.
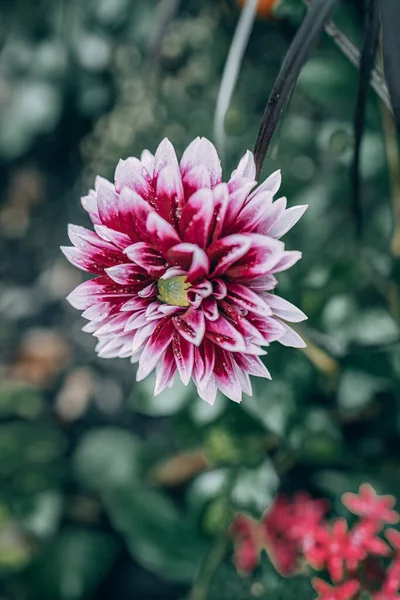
point(185, 268)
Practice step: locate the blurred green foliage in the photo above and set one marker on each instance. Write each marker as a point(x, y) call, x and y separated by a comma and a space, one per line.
point(106, 491)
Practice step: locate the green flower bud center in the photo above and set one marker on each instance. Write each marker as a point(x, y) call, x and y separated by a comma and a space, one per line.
point(173, 290)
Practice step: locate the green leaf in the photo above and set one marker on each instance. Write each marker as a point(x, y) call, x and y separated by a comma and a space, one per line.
point(19, 399)
point(42, 516)
point(169, 402)
point(155, 532)
point(28, 444)
point(357, 389)
point(106, 458)
point(72, 565)
point(272, 405)
point(255, 488)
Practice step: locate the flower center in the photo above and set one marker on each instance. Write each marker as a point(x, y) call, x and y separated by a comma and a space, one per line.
point(173, 290)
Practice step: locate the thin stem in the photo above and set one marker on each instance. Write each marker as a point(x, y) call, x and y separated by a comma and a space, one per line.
point(393, 160)
point(165, 14)
point(217, 552)
point(369, 47)
point(352, 53)
point(212, 561)
point(231, 70)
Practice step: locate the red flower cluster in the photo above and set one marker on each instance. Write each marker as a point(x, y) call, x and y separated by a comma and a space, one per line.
point(296, 534)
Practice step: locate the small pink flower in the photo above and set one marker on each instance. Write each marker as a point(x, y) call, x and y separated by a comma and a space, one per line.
point(391, 584)
point(331, 549)
point(291, 527)
point(249, 538)
point(346, 591)
point(185, 268)
point(364, 541)
point(247, 556)
point(394, 538)
point(369, 505)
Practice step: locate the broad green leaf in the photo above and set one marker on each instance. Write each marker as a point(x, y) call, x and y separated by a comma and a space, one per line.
point(106, 458)
point(71, 565)
point(157, 535)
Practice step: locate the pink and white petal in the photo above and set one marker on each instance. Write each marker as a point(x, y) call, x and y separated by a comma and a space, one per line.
point(227, 251)
point(196, 219)
point(202, 152)
point(244, 380)
point(250, 332)
point(165, 155)
point(89, 203)
point(246, 167)
point(263, 283)
point(162, 233)
point(210, 309)
point(204, 288)
point(132, 174)
point(152, 311)
point(169, 193)
point(271, 184)
point(155, 347)
point(142, 335)
point(103, 182)
point(195, 300)
point(145, 256)
point(196, 179)
point(284, 309)
point(287, 220)
point(92, 326)
point(254, 350)
point(135, 304)
point(165, 370)
point(133, 212)
point(204, 362)
point(173, 272)
point(108, 348)
point(237, 199)
point(107, 204)
point(169, 310)
point(149, 291)
point(184, 357)
point(118, 239)
point(226, 376)
point(127, 274)
point(191, 325)
point(192, 258)
point(270, 327)
point(245, 298)
point(208, 391)
point(225, 335)
point(275, 212)
point(221, 203)
point(291, 338)
point(94, 291)
point(220, 289)
point(147, 160)
point(100, 311)
point(262, 258)
point(252, 365)
point(254, 212)
point(112, 326)
point(136, 321)
point(126, 350)
point(136, 356)
point(81, 260)
point(289, 258)
point(89, 242)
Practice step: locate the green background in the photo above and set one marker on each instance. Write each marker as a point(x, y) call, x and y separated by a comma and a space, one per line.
point(106, 491)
